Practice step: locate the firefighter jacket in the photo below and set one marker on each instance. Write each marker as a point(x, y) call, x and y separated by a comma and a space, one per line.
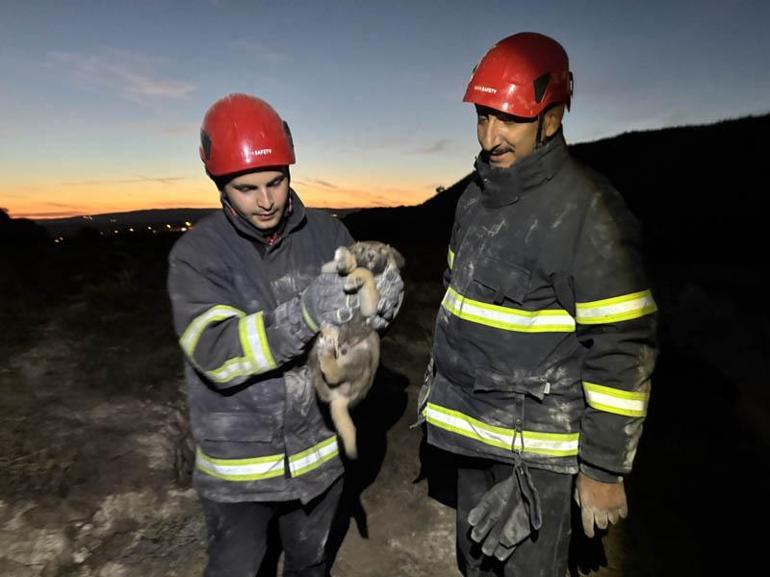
point(257, 424)
point(545, 339)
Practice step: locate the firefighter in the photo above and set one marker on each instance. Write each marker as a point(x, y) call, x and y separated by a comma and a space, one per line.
point(248, 297)
point(545, 339)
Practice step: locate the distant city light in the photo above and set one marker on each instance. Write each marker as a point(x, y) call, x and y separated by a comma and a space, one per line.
point(130, 229)
point(115, 231)
point(168, 226)
point(187, 223)
point(183, 229)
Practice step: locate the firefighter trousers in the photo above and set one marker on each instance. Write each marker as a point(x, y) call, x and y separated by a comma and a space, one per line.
point(238, 534)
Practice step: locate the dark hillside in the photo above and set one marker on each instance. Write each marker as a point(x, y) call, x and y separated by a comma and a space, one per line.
point(699, 191)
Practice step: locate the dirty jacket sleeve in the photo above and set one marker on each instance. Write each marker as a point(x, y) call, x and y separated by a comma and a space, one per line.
point(616, 321)
point(226, 344)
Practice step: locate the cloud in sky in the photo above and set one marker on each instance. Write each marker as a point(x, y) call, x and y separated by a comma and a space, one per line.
point(138, 179)
point(133, 75)
point(48, 214)
point(316, 181)
point(441, 145)
point(260, 51)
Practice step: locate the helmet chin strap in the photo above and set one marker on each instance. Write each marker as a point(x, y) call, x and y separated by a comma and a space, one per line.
point(234, 212)
point(539, 139)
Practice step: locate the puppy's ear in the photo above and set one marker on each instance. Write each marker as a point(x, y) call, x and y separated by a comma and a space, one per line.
point(396, 257)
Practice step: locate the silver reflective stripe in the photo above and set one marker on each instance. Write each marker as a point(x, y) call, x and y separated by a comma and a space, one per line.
point(450, 259)
point(612, 310)
point(193, 332)
point(628, 403)
point(314, 457)
point(254, 342)
point(240, 469)
point(230, 369)
point(552, 444)
point(508, 319)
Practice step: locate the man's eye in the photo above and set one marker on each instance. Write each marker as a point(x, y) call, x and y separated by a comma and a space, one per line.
point(276, 182)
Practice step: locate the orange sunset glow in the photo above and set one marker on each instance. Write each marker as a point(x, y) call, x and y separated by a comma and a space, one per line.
point(60, 200)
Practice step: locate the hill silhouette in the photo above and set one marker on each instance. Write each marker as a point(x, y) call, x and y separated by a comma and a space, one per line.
point(697, 191)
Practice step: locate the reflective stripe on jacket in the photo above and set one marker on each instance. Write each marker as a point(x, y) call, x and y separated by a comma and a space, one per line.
point(545, 339)
point(261, 434)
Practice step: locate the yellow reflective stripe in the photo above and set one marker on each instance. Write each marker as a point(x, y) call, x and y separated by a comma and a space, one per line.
point(240, 469)
point(552, 444)
point(192, 334)
point(314, 457)
point(628, 403)
point(615, 309)
point(254, 342)
point(508, 319)
point(450, 258)
point(251, 328)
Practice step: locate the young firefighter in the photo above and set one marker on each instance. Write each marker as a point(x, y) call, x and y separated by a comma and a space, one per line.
point(248, 298)
point(545, 340)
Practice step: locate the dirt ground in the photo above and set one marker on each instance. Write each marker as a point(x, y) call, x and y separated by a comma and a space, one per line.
point(96, 482)
point(95, 467)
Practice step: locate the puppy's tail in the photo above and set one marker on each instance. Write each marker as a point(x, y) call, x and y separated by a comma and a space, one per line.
point(344, 425)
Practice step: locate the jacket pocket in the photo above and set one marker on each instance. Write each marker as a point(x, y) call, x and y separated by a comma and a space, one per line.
point(238, 427)
point(496, 281)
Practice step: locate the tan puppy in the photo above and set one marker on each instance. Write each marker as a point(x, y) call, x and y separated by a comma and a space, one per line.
point(344, 359)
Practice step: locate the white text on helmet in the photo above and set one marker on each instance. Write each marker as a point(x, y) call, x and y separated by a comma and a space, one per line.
point(262, 151)
point(487, 89)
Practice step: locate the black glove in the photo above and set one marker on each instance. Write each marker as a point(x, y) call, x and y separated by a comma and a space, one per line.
point(325, 301)
point(506, 514)
point(390, 285)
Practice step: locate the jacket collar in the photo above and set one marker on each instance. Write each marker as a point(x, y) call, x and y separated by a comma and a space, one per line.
point(503, 186)
point(293, 218)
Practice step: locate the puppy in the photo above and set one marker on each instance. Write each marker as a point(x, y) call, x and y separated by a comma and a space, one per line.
point(344, 359)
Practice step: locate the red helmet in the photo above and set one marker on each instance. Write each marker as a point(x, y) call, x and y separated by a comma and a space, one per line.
point(241, 132)
point(522, 75)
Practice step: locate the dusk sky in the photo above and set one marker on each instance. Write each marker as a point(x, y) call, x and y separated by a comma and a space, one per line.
point(102, 101)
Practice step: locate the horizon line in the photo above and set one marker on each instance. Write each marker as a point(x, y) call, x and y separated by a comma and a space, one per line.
point(66, 216)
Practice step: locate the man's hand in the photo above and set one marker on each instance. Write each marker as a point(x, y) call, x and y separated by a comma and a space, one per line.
point(600, 503)
point(390, 285)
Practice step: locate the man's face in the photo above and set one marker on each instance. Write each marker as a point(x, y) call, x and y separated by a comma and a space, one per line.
point(505, 139)
point(260, 197)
